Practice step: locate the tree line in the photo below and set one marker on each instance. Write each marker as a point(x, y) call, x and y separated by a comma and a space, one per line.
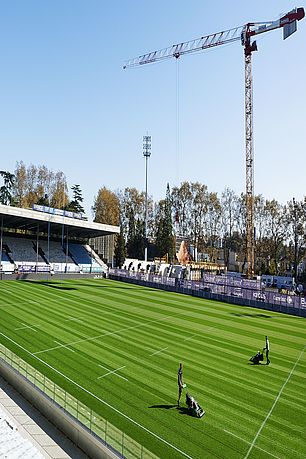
point(32, 184)
point(210, 222)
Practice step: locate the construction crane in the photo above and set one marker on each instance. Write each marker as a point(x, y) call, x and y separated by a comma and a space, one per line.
point(245, 34)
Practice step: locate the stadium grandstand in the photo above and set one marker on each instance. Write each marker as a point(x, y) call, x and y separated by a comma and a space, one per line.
point(47, 240)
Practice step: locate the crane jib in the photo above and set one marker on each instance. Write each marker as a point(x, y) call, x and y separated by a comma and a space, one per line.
point(288, 22)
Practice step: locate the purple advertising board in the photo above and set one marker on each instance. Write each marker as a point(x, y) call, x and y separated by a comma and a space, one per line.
point(228, 287)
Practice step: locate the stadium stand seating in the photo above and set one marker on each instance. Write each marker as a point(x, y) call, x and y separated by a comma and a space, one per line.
point(21, 254)
point(79, 254)
point(56, 252)
point(6, 253)
point(82, 256)
point(21, 249)
point(4, 256)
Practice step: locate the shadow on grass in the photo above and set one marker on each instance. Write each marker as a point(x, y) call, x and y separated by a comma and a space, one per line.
point(181, 409)
point(247, 314)
point(257, 364)
point(117, 287)
point(59, 285)
point(165, 407)
point(52, 284)
point(186, 411)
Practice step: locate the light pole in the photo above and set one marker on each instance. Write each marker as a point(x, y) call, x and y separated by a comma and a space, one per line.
point(146, 153)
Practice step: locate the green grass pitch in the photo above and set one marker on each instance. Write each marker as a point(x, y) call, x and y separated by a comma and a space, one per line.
point(124, 344)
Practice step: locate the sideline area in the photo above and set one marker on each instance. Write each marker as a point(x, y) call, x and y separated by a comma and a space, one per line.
point(28, 432)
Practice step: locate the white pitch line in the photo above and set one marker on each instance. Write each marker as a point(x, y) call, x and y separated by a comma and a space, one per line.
point(27, 326)
point(105, 368)
point(102, 335)
point(65, 346)
point(161, 350)
point(196, 334)
point(190, 337)
point(100, 399)
point(245, 441)
point(113, 372)
point(275, 401)
point(76, 319)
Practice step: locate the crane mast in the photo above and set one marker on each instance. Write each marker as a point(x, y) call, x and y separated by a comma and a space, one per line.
point(289, 24)
point(244, 33)
point(249, 163)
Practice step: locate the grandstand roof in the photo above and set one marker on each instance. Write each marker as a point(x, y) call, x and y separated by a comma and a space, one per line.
point(26, 219)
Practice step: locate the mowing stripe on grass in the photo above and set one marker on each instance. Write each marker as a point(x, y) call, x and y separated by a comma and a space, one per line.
point(245, 441)
point(275, 401)
point(99, 399)
point(197, 334)
point(216, 364)
point(103, 334)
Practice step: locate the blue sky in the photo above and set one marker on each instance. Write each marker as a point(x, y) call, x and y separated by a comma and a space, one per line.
point(66, 102)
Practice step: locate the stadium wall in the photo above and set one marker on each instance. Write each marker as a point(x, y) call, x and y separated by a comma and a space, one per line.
point(202, 291)
point(49, 277)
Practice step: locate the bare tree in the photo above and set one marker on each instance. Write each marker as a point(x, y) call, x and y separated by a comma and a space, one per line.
point(296, 212)
point(39, 185)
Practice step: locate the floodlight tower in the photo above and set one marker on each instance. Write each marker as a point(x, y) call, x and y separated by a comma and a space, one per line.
point(244, 34)
point(147, 142)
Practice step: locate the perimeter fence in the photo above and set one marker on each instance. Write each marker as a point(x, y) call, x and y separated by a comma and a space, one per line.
point(221, 288)
point(112, 437)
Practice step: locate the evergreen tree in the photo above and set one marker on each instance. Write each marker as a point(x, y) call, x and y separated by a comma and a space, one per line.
point(164, 234)
point(76, 204)
point(136, 237)
point(5, 190)
point(120, 249)
point(139, 241)
point(131, 235)
point(43, 201)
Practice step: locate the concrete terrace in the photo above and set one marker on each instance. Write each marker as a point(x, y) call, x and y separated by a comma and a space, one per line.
point(26, 434)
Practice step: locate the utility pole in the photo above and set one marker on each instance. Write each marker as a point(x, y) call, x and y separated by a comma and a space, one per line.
point(146, 153)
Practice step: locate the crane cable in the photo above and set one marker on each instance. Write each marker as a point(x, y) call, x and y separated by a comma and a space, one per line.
point(177, 127)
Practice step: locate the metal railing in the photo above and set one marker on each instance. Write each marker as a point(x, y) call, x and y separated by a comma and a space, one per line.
point(110, 435)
